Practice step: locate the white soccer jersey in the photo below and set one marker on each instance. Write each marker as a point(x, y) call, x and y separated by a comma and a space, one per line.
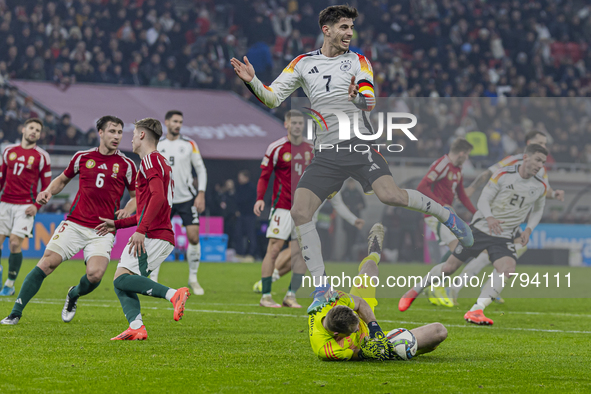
point(183, 155)
point(509, 198)
point(325, 80)
point(512, 160)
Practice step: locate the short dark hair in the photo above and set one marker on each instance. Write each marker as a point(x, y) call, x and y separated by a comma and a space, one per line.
point(171, 113)
point(292, 112)
point(460, 145)
point(153, 126)
point(34, 120)
point(333, 14)
point(532, 149)
point(532, 134)
point(103, 121)
point(341, 319)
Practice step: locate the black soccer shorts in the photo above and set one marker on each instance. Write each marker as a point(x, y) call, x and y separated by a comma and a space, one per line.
point(187, 212)
point(331, 167)
point(496, 247)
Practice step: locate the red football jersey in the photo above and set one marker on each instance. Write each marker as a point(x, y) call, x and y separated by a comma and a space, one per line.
point(155, 189)
point(102, 182)
point(21, 170)
point(443, 181)
point(289, 162)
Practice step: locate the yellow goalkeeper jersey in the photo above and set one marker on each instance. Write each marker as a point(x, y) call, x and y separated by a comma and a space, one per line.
point(324, 344)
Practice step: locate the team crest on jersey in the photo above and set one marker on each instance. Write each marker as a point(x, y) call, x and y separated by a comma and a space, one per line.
point(12, 156)
point(532, 192)
point(115, 170)
point(346, 65)
point(90, 164)
point(275, 231)
point(30, 162)
point(307, 157)
point(287, 156)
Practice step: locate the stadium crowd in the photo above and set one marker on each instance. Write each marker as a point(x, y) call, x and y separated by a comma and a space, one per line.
point(427, 48)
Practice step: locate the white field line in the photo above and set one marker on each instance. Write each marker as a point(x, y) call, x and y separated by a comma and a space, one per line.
point(305, 316)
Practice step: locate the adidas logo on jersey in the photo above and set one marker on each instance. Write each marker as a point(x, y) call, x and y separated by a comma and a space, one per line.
point(22, 158)
point(313, 71)
point(103, 166)
point(298, 157)
point(373, 167)
point(510, 187)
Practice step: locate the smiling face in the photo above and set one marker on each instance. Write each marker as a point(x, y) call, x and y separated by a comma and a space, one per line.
point(339, 35)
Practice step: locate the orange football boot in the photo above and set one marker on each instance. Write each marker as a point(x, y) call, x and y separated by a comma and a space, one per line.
point(132, 335)
point(477, 317)
point(407, 299)
point(178, 301)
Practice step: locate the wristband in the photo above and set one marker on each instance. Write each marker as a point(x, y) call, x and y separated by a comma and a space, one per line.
point(374, 328)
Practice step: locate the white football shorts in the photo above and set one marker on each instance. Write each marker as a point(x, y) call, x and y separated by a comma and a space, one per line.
point(157, 250)
point(69, 238)
point(13, 220)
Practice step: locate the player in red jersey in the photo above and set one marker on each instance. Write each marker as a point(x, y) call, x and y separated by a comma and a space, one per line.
point(288, 157)
point(153, 240)
point(442, 183)
point(104, 174)
point(21, 167)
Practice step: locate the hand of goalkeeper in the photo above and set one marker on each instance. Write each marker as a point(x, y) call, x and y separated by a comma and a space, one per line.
point(374, 349)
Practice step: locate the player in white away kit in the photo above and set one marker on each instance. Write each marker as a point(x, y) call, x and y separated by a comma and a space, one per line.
point(183, 155)
point(474, 267)
point(337, 79)
point(503, 205)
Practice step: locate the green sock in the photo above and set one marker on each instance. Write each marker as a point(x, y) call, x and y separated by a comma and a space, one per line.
point(83, 288)
point(15, 260)
point(130, 304)
point(141, 285)
point(267, 282)
point(445, 256)
point(296, 282)
point(30, 287)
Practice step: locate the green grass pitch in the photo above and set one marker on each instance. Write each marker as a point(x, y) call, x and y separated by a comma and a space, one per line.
point(226, 343)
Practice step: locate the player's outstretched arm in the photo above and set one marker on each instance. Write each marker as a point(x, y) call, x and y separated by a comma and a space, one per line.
point(129, 208)
point(344, 212)
point(478, 182)
point(55, 187)
point(245, 71)
point(555, 194)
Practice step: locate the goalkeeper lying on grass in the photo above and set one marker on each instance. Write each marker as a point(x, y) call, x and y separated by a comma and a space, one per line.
point(347, 329)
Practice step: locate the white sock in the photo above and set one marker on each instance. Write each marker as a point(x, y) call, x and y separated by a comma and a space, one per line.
point(193, 256)
point(154, 274)
point(9, 283)
point(137, 323)
point(170, 294)
point(490, 290)
point(471, 269)
point(417, 201)
point(311, 250)
point(275, 275)
point(435, 271)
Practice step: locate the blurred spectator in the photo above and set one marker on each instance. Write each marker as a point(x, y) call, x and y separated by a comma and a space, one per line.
point(227, 201)
point(246, 220)
point(69, 138)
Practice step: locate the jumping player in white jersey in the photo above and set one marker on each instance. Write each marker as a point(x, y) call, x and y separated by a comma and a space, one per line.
point(503, 205)
point(183, 155)
point(474, 267)
point(335, 78)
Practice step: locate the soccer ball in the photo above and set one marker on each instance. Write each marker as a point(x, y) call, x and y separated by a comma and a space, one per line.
point(404, 342)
